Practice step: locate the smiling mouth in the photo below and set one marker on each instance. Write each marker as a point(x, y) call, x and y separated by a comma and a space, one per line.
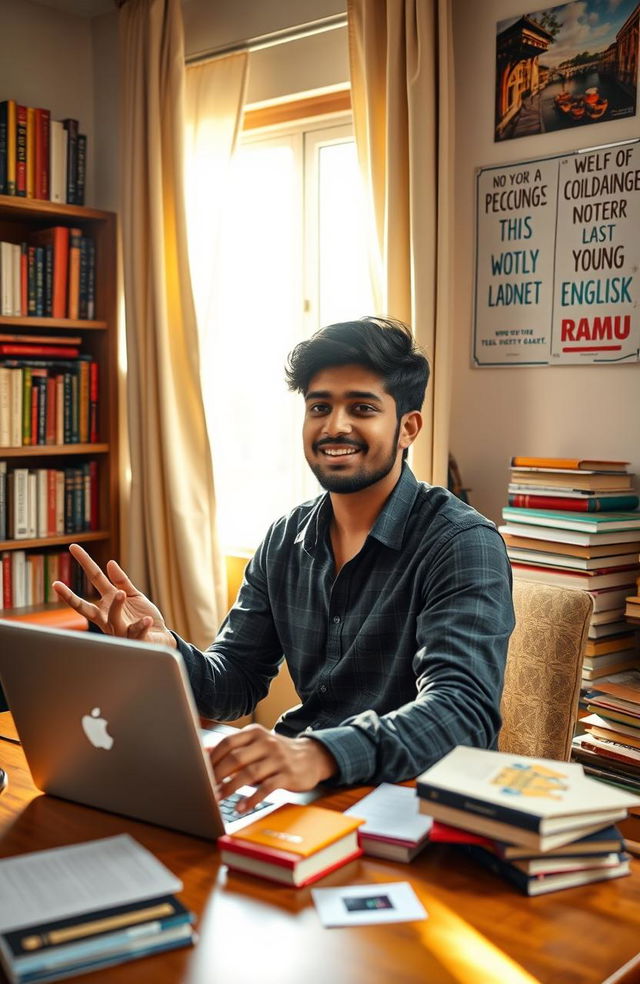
point(338, 452)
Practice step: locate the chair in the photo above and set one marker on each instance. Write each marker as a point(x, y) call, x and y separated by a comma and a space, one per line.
point(543, 671)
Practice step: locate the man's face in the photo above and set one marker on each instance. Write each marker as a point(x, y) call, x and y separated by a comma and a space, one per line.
point(351, 430)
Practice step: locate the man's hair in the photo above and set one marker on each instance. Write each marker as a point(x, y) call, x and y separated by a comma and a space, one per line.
point(380, 344)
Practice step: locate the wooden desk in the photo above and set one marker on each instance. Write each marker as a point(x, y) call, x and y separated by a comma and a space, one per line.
point(478, 929)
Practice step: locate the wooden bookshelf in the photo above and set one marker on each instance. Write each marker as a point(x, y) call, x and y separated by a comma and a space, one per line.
point(19, 218)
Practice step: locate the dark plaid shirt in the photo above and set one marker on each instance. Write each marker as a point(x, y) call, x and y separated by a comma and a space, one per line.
point(397, 659)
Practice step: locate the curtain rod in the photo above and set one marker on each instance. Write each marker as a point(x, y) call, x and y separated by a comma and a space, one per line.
point(269, 40)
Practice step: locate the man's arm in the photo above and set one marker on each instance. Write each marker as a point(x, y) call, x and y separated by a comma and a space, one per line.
point(462, 637)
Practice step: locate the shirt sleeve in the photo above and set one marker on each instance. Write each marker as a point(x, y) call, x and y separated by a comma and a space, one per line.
point(463, 632)
point(230, 677)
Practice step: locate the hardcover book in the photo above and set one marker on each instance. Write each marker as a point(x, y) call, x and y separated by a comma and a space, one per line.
point(522, 800)
point(602, 842)
point(294, 845)
point(520, 461)
point(393, 826)
point(591, 523)
point(540, 884)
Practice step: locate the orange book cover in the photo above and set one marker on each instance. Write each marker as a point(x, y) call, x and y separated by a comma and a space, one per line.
point(299, 830)
point(587, 464)
point(58, 237)
point(73, 294)
point(610, 645)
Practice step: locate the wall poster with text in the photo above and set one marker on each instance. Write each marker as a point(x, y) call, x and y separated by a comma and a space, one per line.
point(566, 66)
point(557, 262)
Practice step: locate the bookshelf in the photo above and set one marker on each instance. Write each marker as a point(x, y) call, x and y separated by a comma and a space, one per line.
point(19, 219)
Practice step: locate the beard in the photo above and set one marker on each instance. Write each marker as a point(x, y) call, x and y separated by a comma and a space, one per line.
point(356, 482)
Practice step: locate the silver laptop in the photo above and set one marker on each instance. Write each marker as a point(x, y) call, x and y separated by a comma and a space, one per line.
point(112, 724)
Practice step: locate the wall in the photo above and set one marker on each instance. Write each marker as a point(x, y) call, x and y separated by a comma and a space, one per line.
point(584, 411)
point(46, 60)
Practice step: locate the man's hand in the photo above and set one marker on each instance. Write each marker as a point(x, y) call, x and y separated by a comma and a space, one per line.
point(257, 757)
point(121, 610)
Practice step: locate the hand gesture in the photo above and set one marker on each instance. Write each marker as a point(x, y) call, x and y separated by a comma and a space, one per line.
point(121, 610)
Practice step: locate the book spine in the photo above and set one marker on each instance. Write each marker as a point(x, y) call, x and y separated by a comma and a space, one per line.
point(39, 268)
point(26, 406)
point(91, 280)
point(94, 503)
point(7, 584)
point(82, 168)
point(65, 352)
point(57, 162)
point(31, 280)
point(71, 126)
point(585, 504)
point(83, 291)
point(84, 371)
point(11, 146)
point(21, 151)
point(43, 120)
point(60, 271)
point(73, 292)
point(48, 280)
point(493, 811)
point(24, 282)
point(93, 403)
point(3, 502)
point(3, 147)
point(31, 152)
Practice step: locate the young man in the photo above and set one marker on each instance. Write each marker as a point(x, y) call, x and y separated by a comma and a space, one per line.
point(389, 599)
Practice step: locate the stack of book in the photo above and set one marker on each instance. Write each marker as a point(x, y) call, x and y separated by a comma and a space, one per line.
point(532, 807)
point(294, 845)
point(569, 523)
point(393, 826)
point(49, 931)
point(41, 157)
point(609, 749)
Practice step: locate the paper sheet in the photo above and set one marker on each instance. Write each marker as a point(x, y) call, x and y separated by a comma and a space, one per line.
point(392, 811)
point(361, 905)
point(64, 881)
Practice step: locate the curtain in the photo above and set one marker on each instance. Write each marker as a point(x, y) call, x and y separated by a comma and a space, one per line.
point(215, 97)
point(401, 62)
point(169, 547)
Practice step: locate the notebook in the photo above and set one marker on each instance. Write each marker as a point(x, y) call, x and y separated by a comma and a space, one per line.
point(111, 723)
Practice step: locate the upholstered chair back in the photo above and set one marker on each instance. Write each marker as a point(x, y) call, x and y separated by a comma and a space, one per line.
point(543, 672)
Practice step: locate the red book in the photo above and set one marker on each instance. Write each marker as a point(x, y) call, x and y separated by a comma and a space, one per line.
point(93, 402)
point(42, 123)
point(58, 238)
point(63, 351)
point(73, 293)
point(65, 568)
point(584, 503)
point(7, 587)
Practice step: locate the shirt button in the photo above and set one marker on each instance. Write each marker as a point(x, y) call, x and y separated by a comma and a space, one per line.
point(336, 619)
point(323, 689)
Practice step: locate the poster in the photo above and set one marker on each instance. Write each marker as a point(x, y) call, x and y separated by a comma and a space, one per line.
point(557, 262)
point(568, 66)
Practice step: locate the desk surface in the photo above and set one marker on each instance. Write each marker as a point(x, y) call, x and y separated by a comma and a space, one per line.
point(479, 930)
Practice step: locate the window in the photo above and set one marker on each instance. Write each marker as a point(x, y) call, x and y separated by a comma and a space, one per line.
point(293, 256)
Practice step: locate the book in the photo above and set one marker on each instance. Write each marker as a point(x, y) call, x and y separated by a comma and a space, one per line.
point(64, 943)
point(591, 503)
point(600, 842)
point(58, 238)
point(41, 153)
point(57, 161)
point(393, 826)
point(71, 127)
point(21, 151)
point(587, 481)
point(590, 523)
point(520, 461)
point(73, 291)
point(625, 640)
point(586, 580)
point(535, 542)
point(81, 172)
point(3, 147)
point(540, 884)
point(537, 803)
point(606, 629)
point(50, 351)
point(295, 845)
point(546, 559)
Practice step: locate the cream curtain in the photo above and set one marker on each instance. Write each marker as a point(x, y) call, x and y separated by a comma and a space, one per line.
point(215, 97)
point(169, 545)
point(401, 62)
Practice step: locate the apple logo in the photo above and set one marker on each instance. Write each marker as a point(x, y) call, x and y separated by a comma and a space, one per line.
point(95, 728)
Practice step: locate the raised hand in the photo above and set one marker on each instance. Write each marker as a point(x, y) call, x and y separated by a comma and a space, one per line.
point(121, 610)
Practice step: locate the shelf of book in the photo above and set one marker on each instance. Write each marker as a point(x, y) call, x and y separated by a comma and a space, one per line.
point(52, 541)
point(68, 324)
point(24, 220)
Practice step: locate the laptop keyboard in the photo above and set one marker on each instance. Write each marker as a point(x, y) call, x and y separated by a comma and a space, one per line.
point(228, 807)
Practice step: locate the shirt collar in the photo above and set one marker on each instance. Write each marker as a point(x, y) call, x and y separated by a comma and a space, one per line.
point(388, 528)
